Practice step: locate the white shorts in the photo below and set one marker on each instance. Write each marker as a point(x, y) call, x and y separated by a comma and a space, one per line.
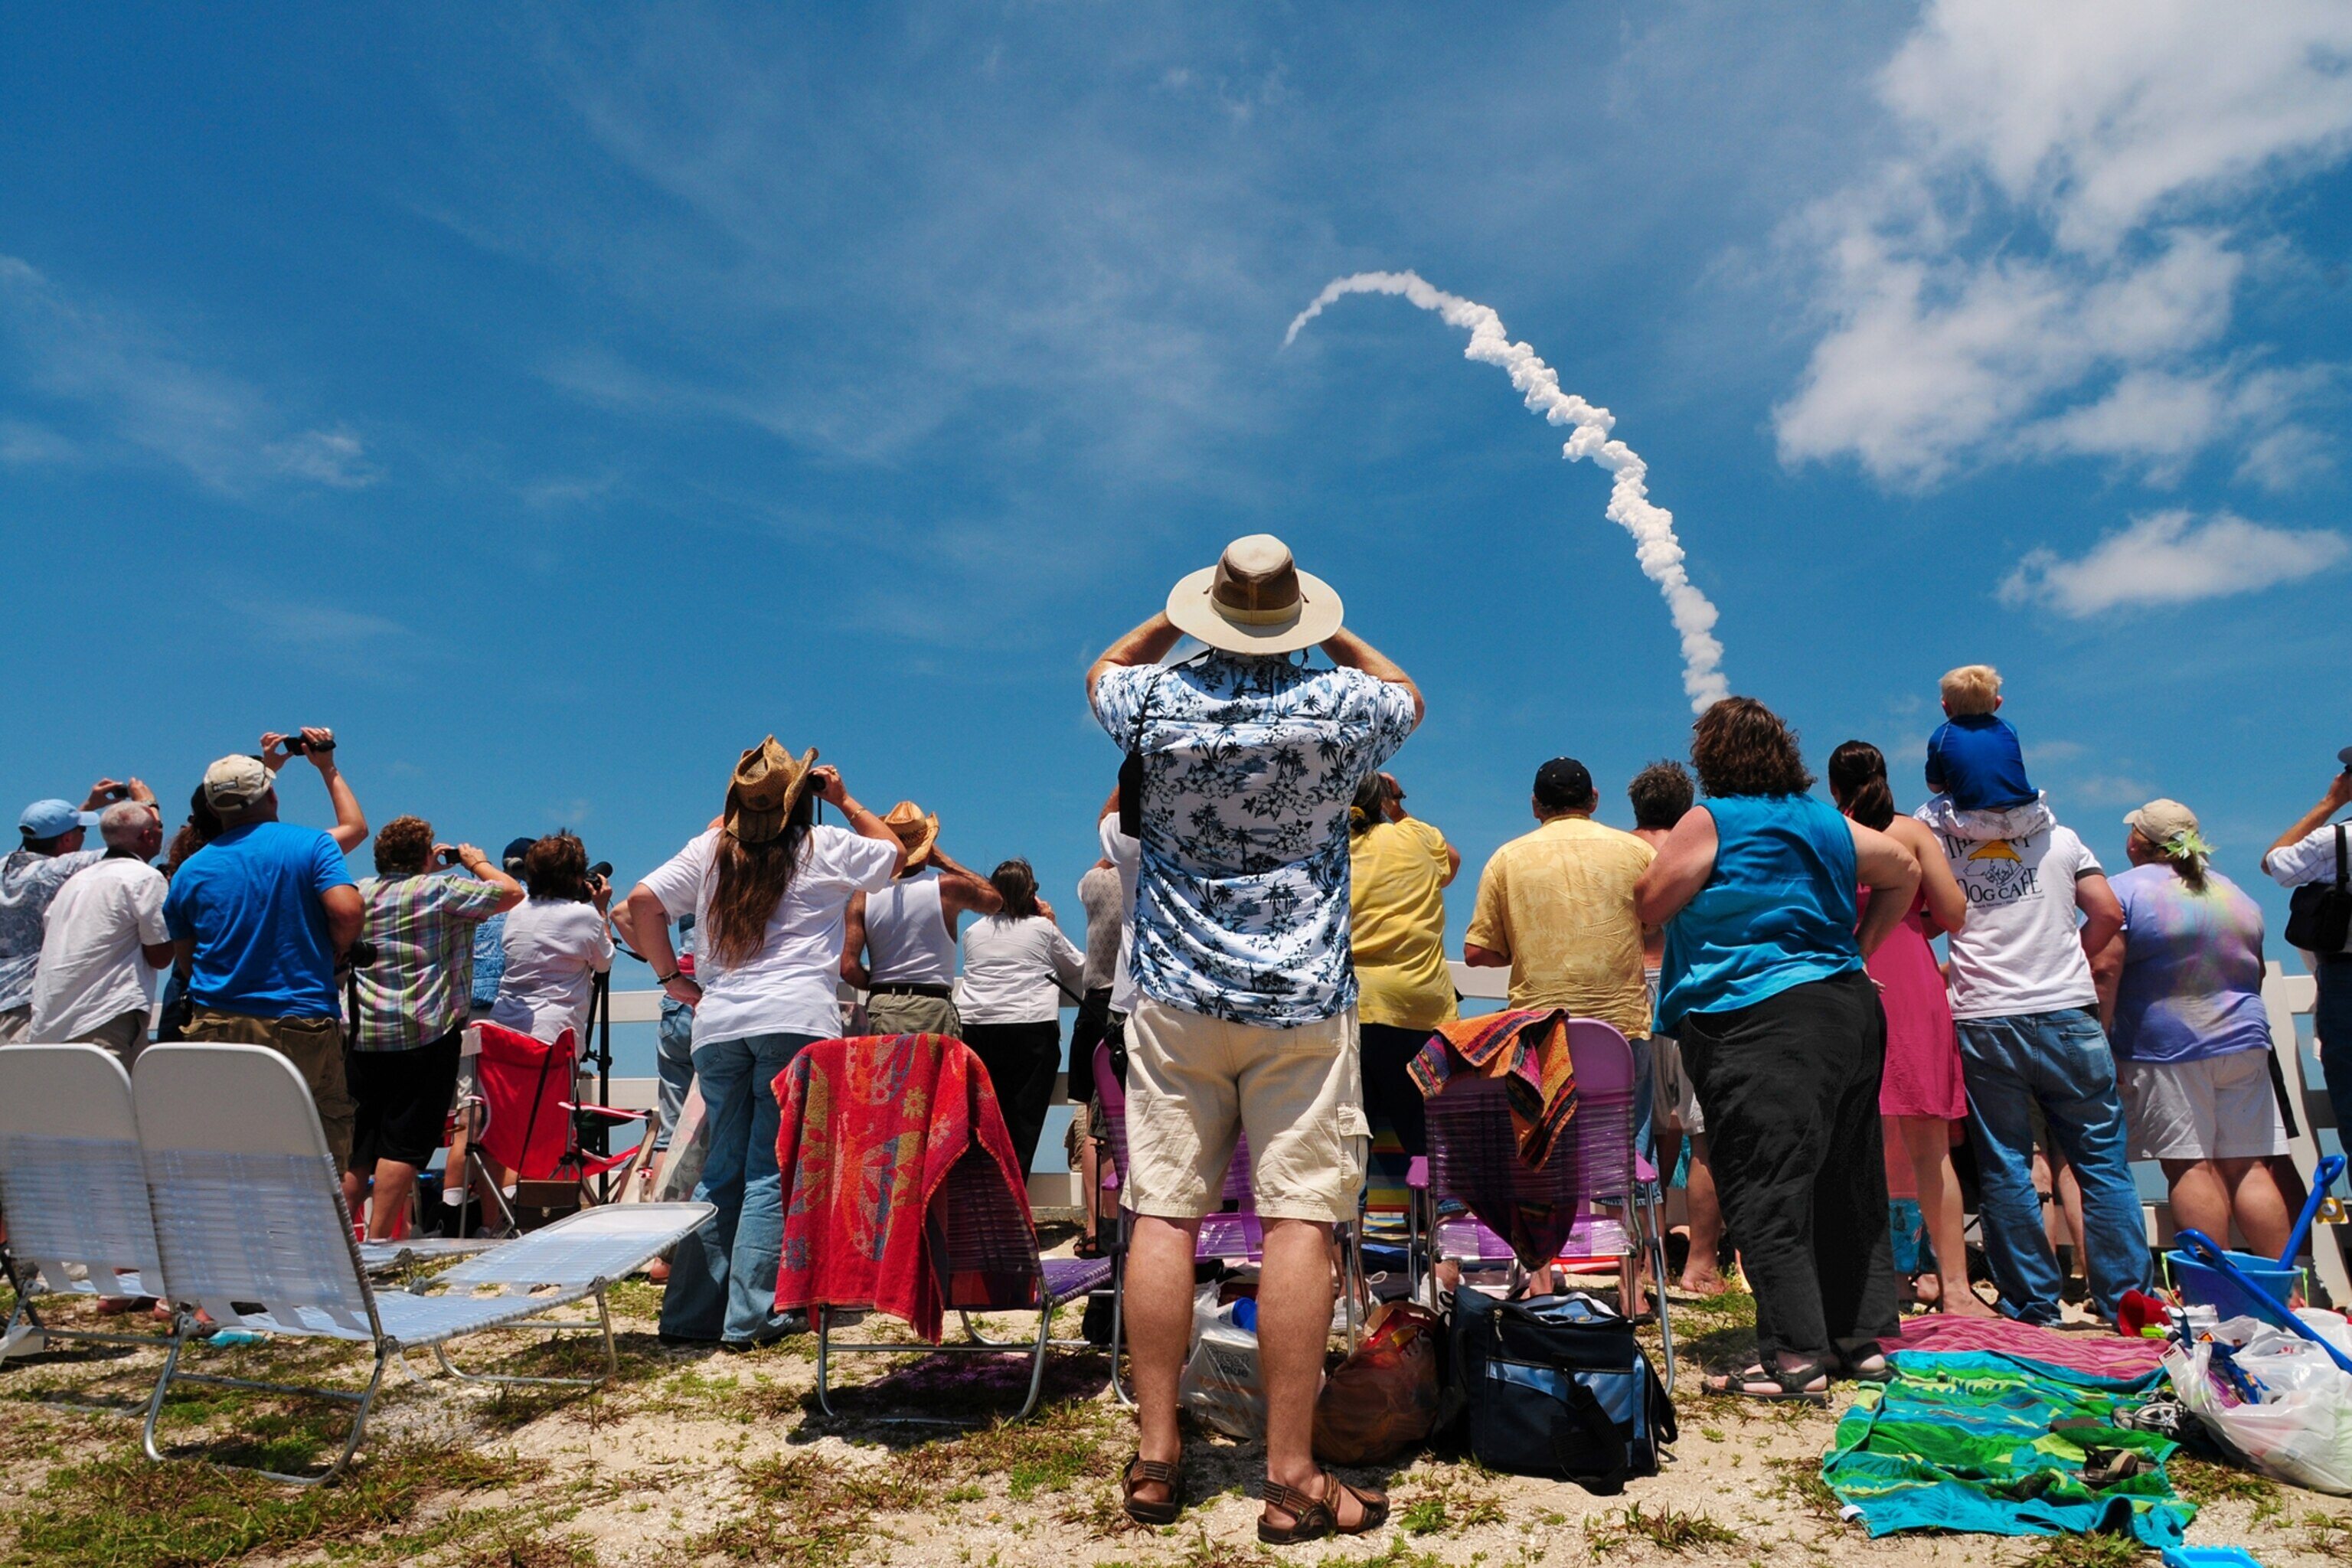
point(2216, 1108)
point(1194, 1084)
point(1675, 1100)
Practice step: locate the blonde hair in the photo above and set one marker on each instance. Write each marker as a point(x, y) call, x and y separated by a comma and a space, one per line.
point(1972, 689)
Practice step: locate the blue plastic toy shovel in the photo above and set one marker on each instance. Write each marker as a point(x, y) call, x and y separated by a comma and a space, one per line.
point(2266, 1305)
point(2329, 1169)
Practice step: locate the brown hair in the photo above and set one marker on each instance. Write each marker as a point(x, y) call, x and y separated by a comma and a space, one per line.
point(1738, 746)
point(748, 880)
point(556, 868)
point(2189, 867)
point(404, 844)
point(1370, 806)
point(1018, 886)
point(1661, 795)
point(1858, 779)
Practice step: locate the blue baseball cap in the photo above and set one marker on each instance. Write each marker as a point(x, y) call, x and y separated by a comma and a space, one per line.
point(53, 820)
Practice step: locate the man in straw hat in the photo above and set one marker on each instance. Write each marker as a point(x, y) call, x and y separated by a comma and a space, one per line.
point(1244, 1018)
point(908, 932)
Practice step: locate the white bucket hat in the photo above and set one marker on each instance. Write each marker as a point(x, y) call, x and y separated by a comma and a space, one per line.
point(1254, 600)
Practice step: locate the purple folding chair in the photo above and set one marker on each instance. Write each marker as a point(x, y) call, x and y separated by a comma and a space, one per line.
point(1235, 1236)
point(1526, 1215)
point(985, 1249)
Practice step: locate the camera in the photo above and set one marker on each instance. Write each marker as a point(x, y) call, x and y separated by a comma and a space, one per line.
point(359, 955)
point(601, 870)
point(2345, 756)
point(119, 791)
point(452, 856)
point(296, 746)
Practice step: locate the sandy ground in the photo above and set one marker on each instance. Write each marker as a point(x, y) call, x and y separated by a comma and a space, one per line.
point(701, 1456)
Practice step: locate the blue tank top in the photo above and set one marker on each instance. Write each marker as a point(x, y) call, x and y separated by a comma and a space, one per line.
point(1778, 910)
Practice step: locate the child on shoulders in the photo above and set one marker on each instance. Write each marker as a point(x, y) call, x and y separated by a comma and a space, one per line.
point(1974, 756)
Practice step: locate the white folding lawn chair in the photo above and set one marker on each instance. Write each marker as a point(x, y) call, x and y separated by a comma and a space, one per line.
point(73, 1188)
point(250, 1224)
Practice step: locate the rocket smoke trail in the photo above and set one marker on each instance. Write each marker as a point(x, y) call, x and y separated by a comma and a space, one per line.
point(1651, 526)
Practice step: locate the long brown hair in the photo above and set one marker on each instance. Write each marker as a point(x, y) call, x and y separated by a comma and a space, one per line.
point(1738, 746)
point(747, 881)
point(1858, 779)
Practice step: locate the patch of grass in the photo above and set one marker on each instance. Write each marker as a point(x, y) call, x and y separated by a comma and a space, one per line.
point(634, 1299)
point(119, 1512)
point(1055, 1448)
point(1396, 1554)
point(1801, 1481)
point(1203, 1552)
point(1425, 1517)
point(528, 1548)
point(2203, 1482)
point(2087, 1552)
point(1452, 1506)
point(804, 1509)
point(1669, 1530)
point(2328, 1535)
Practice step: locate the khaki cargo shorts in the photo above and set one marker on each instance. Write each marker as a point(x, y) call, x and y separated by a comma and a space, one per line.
point(1194, 1083)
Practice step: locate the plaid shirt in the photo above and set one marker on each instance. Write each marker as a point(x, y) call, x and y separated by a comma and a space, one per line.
point(418, 988)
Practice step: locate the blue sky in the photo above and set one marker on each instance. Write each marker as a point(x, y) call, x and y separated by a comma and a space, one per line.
point(557, 406)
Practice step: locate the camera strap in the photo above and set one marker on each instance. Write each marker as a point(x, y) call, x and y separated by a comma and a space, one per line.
point(1130, 771)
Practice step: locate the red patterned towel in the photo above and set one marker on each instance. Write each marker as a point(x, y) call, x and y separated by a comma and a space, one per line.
point(2101, 1352)
point(1525, 1048)
point(872, 1127)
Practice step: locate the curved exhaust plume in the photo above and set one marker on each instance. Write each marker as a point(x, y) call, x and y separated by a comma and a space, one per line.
point(1630, 507)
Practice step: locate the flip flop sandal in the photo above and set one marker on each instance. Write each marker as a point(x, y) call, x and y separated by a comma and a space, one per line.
point(1872, 1369)
point(1785, 1386)
point(1141, 1472)
point(1312, 1517)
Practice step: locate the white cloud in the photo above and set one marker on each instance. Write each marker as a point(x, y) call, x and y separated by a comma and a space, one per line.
point(2167, 558)
point(23, 443)
point(2049, 265)
point(332, 457)
point(141, 391)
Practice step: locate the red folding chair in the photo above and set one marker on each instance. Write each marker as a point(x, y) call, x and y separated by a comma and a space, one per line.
point(524, 1116)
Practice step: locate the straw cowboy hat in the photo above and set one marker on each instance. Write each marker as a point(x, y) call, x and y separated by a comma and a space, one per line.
point(1254, 600)
point(915, 828)
point(767, 783)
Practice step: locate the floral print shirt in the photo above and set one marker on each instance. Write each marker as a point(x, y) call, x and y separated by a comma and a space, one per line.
point(1250, 763)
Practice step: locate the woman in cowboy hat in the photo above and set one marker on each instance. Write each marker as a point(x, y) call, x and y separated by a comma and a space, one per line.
point(768, 889)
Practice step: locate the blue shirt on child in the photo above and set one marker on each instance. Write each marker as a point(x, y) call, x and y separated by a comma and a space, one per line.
point(1975, 758)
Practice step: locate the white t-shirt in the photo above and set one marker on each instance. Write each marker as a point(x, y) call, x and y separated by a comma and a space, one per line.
point(790, 985)
point(554, 949)
point(2021, 951)
point(2310, 859)
point(1126, 856)
point(92, 971)
point(1011, 968)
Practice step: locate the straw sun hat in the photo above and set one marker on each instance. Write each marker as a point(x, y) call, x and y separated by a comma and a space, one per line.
point(1254, 600)
point(767, 783)
point(916, 829)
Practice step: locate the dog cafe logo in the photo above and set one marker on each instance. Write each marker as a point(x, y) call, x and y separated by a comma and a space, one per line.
point(1994, 873)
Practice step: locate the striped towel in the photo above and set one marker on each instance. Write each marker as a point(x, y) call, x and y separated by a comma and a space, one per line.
point(1527, 1049)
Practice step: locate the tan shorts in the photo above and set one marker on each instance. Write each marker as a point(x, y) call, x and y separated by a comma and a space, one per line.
point(1193, 1083)
point(2216, 1108)
point(315, 1046)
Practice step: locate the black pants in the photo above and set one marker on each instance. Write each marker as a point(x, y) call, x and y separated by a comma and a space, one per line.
point(1022, 1060)
point(1085, 1034)
point(1791, 1090)
point(1391, 1097)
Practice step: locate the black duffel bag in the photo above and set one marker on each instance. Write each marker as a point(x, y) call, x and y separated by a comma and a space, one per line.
point(1557, 1385)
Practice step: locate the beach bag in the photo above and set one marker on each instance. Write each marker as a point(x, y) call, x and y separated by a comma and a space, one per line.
point(1382, 1399)
point(2277, 1399)
point(2319, 914)
point(1556, 1386)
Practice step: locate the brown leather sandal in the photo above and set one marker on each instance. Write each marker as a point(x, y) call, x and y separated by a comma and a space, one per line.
point(1312, 1517)
point(1145, 1472)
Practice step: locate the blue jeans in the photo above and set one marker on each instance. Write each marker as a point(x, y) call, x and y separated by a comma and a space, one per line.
point(2060, 1061)
point(722, 1278)
point(674, 1061)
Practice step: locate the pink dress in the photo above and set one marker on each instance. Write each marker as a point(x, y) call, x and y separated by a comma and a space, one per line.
point(1923, 1060)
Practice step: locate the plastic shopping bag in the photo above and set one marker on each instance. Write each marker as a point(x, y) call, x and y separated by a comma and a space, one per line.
point(1221, 1385)
point(2277, 1399)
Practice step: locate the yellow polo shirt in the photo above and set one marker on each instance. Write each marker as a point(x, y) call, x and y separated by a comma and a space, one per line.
point(1396, 912)
point(1559, 903)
